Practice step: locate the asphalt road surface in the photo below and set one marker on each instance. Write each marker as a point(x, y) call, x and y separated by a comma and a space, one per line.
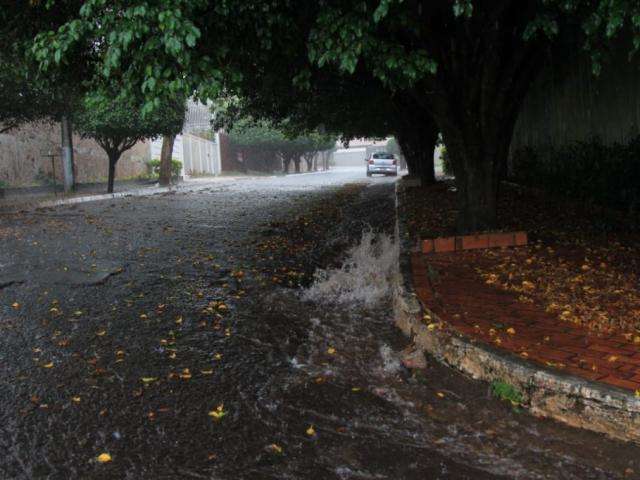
point(169, 337)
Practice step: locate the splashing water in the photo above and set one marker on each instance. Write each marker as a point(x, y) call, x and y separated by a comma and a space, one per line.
point(364, 279)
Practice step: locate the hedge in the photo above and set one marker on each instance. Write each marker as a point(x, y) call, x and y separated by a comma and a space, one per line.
point(604, 174)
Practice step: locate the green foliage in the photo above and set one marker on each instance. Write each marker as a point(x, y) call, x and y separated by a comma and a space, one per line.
point(20, 100)
point(264, 145)
point(507, 392)
point(393, 147)
point(607, 175)
point(154, 166)
point(447, 167)
point(117, 123)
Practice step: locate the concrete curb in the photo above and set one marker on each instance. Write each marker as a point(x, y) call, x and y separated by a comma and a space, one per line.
point(547, 393)
point(139, 192)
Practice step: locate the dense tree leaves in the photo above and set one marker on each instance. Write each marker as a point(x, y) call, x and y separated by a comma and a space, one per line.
point(272, 145)
point(26, 93)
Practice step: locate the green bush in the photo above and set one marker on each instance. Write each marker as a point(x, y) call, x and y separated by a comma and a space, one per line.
point(447, 168)
point(506, 392)
point(607, 175)
point(176, 167)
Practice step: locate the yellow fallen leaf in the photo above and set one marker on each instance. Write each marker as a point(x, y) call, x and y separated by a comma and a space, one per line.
point(104, 458)
point(356, 389)
point(311, 431)
point(440, 394)
point(143, 316)
point(218, 413)
point(217, 356)
point(612, 358)
point(148, 379)
point(15, 305)
point(527, 286)
point(431, 327)
point(511, 331)
point(179, 321)
point(331, 350)
point(101, 333)
point(48, 365)
point(75, 399)
point(637, 393)
point(276, 448)
point(207, 372)
point(186, 374)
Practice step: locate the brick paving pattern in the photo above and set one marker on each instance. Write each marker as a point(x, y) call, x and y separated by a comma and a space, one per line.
point(448, 285)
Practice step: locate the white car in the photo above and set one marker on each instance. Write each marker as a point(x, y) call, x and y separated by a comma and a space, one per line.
point(383, 163)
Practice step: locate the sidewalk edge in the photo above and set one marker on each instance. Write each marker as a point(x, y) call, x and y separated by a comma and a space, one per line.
point(547, 393)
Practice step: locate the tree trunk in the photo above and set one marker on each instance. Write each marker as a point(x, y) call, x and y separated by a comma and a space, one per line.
point(477, 166)
point(417, 147)
point(315, 163)
point(165, 159)
point(485, 69)
point(286, 161)
point(309, 162)
point(67, 154)
point(296, 162)
point(113, 160)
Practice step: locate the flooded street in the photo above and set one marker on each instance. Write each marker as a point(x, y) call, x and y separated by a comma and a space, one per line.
point(174, 337)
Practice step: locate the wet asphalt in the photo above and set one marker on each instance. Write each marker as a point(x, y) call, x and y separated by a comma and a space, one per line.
point(166, 337)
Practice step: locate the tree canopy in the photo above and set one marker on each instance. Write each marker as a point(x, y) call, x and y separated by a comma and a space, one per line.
point(269, 145)
point(466, 63)
point(117, 124)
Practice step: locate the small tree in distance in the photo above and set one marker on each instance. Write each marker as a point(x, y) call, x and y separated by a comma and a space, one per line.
point(116, 123)
point(267, 143)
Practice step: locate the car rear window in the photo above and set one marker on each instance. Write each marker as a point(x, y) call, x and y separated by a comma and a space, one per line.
point(384, 156)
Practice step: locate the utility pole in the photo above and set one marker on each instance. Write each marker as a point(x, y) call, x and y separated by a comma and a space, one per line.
point(67, 153)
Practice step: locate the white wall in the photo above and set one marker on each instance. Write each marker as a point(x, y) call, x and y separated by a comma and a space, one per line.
point(349, 157)
point(198, 155)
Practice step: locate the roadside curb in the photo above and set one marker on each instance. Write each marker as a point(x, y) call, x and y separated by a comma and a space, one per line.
point(546, 393)
point(139, 192)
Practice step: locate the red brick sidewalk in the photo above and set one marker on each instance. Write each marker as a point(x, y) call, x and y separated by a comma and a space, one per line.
point(448, 285)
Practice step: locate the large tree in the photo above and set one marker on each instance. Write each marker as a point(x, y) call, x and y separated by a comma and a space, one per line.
point(469, 63)
point(117, 124)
